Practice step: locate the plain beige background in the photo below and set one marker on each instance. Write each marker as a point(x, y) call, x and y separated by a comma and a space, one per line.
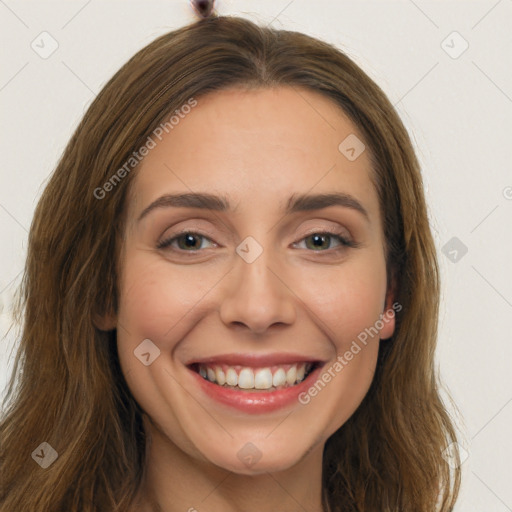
point(445, 66)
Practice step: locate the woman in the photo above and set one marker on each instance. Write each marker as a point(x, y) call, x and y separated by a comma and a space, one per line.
point(231, 294)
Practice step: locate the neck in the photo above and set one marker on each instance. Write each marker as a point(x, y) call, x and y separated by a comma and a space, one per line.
point(176, 481)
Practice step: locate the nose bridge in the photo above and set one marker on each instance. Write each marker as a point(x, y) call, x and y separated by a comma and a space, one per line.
point(254, 271)
point(257, 298)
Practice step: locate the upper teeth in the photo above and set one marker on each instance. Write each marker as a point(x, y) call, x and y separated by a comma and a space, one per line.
point(255, 378)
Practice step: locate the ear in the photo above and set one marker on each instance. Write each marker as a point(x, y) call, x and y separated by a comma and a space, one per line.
point(106, 322)
point(391, 307)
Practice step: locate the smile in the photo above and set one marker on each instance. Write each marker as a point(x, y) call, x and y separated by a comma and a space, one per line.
point(270, 378)
point(254, 383)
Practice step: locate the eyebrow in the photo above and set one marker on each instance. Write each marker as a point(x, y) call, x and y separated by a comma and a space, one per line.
point(296, 203)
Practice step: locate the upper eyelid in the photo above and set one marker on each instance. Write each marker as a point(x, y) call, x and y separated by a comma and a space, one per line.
point(332, 232)
point(206, 234)
point(337, 229)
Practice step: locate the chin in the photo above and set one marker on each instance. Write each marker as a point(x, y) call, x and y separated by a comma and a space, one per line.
point(255, 456)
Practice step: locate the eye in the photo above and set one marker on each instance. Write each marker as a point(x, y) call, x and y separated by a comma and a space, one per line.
point(321, 241)
point(190, 241)
point(187, 241)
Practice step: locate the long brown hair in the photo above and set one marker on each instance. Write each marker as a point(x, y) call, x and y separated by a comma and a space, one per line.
point(67, 388)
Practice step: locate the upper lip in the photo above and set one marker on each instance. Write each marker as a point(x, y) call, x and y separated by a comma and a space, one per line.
point(256, 360)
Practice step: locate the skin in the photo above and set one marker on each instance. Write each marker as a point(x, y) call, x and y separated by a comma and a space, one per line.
point(257, 148)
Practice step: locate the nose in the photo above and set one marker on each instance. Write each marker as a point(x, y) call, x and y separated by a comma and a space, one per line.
point(257, 297)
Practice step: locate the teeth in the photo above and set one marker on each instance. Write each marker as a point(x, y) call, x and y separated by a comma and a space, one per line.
point(220, 376)
point(231, 377)
point(291, 375)
point(246, 379)
point(279, 378)
point(262, 378)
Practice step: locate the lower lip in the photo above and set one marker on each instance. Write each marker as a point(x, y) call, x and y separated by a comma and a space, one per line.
point(253, 401)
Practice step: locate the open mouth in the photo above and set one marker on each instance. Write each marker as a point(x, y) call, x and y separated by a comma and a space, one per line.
point(244, 378)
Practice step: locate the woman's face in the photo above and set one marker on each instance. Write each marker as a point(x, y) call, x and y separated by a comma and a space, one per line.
point(255, 283)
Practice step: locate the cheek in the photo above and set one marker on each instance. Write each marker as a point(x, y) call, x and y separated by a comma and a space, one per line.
point(158, 302)
point(157, 299)
point(346, 302)
point(347, 298)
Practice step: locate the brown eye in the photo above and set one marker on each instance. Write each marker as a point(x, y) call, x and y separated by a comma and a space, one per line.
point(187, 242)
point(318, 241)
point(321, 242)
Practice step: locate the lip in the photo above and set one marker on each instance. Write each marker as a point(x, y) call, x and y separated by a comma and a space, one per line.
point(255, 402)
point(256, 360)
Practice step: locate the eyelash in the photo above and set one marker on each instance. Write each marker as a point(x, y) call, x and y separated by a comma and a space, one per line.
point(344, 242)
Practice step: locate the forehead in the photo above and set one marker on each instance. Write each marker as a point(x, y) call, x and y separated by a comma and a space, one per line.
point(257, 147)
